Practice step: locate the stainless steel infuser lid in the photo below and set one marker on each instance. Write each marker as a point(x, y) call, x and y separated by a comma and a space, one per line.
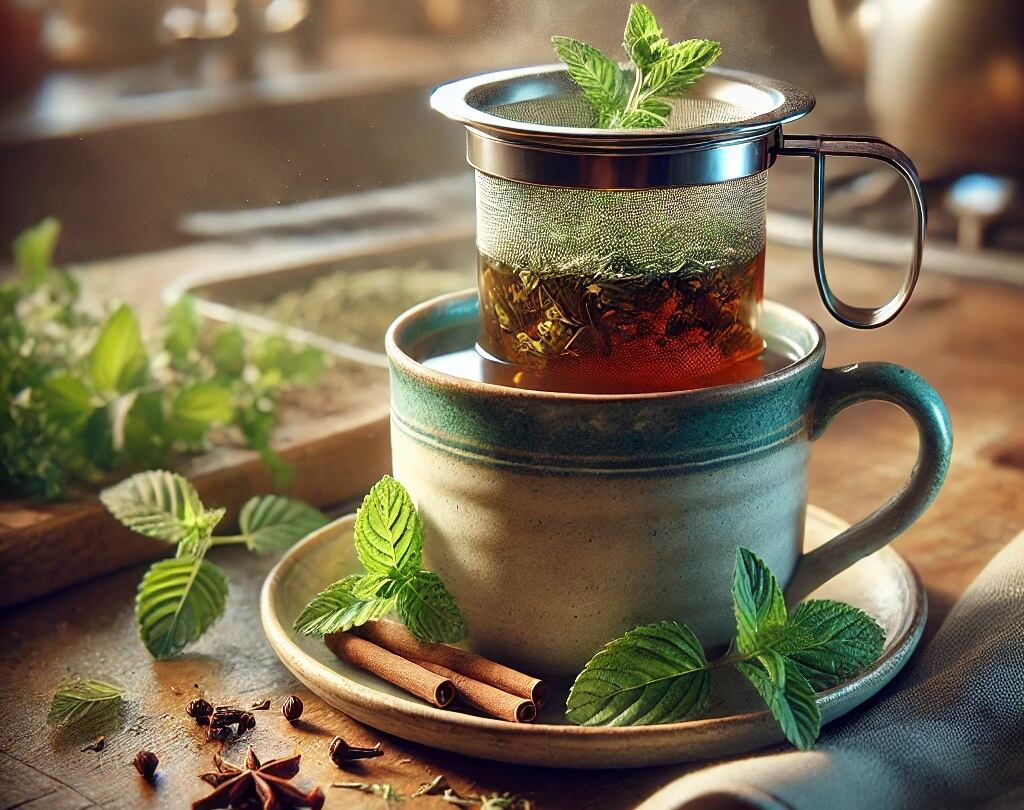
point(532, 125)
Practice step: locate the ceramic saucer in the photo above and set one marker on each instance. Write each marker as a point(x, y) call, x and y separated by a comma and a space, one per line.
point(883, 585)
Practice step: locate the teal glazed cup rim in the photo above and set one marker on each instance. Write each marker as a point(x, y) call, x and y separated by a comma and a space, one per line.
point(803, 344)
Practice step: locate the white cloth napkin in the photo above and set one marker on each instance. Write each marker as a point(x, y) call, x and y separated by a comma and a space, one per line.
point(951, 733)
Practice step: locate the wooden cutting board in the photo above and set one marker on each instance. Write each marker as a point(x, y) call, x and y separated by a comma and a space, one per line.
point(336, 457)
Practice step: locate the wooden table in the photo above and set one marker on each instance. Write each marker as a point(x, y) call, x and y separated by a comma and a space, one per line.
point(965, 337)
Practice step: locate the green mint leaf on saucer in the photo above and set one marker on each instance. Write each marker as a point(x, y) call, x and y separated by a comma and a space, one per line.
point(757, 602)
point(388, 532)
point(347, 603)
point(659, 673)
point(653, 674)
point(81, 698)
point(829, 641)
point(274, 522)
point(599, 77)
point(178, 600)
point(428, 610)
point(788, 694)
point(638, 99)
point(161, 504)
point(117, 360)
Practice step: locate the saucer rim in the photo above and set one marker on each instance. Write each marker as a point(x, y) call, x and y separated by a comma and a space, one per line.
point(447, 729)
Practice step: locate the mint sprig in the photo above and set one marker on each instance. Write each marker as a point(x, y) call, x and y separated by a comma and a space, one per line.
point(659, 673)
point(661, 70)
point(179, 599)
point(389, 544)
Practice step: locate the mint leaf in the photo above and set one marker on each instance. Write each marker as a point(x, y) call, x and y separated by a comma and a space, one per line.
point(642, 39)
point(347, 603)
point(829, 641)
point(69, 400)
point(178, 600)
point(653, 674)
point(33, 252)
point(757, 601)
point(428, 610)
point(661, 71)
point(789, 697)
point(181, 328)
point(274, 522)
point(229, 351)
point(118, 358)
point(681, 66)
point(79, 698)
point(146, 437)
point(599, 77)
point(640, 119)
point(198, 408)
point(161, 504)
point(388, 532)
point(278, 359)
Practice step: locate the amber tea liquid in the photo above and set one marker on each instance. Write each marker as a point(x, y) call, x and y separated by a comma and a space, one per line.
point(614, 330)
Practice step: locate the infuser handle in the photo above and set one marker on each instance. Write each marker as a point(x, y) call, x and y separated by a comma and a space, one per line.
point(821, 146)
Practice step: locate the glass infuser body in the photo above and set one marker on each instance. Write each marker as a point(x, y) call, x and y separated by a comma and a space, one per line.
point(641, 289)
point(617, 260)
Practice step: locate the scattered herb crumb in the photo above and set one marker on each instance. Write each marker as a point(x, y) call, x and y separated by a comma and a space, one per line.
point(96, 745)
point(262, 706)
point(383, 789)
point(435, 787)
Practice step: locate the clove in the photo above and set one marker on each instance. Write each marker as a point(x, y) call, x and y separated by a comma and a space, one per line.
point(146, 763)
point(292, 709)
point(341, 752)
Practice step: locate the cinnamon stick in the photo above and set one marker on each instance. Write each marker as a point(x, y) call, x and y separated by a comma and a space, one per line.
point(487, 698)
point(404, 674)
point(394, 637)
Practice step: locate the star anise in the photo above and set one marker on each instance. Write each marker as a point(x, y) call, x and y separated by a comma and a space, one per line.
point(263, 785)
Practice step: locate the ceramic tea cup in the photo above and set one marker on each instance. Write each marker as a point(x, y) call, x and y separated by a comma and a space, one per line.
point(559, 521)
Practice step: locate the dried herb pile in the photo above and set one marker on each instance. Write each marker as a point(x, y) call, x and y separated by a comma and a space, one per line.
point(357, 306)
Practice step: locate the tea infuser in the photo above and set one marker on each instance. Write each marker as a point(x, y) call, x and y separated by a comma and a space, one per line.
point(553, 191)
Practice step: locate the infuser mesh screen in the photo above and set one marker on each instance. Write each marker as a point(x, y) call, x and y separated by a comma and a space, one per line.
point(552, 230)
point(573, 110)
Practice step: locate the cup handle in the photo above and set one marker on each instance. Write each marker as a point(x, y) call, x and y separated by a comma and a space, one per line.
point(821, 146)
point(838, 389)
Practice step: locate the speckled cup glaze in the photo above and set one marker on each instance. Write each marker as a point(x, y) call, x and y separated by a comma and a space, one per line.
point(559, 521)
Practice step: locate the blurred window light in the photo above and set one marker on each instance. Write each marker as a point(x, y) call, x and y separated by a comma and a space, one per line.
point(283, 15)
